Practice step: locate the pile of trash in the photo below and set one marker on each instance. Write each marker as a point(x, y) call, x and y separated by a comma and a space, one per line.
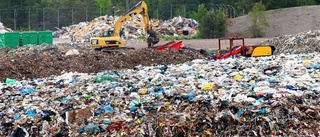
point(4, 29)
point(46, 60)
point(304, 42)
point(267, 96)
point(134, 28)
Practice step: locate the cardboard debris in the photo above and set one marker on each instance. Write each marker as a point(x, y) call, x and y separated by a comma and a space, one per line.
point(133, 28)
point(4, 29)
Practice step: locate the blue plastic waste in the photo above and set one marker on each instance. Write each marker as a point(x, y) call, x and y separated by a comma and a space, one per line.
point(240, 112)
point(190, 96)
point(31, 113)
point(158, 91)
point(260, 100)
point(16, 117)
point(64, 99)
point(99, 112)
point(81, 129)
point(150, 90)
point(108, 109)
point(164, 68)
point(113, 85)
point(27, 91)
point(272, 80)
point(136, 78)
point(107, 122)
point(263, 110)
point(92, 127)
point(133, 108)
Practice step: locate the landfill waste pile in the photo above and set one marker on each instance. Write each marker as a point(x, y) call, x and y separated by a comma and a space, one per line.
point(4, 29)
point(135, 27)
point(46, 60)
point(267, 96)
point(304, 42)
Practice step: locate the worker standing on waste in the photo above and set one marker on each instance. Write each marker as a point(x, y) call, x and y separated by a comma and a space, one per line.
point(152, 39)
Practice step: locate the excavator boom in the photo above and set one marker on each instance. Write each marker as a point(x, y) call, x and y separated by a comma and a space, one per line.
point(114, 39)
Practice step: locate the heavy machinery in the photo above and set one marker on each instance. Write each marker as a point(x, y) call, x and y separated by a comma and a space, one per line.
point(244, 50)
point(111, 39)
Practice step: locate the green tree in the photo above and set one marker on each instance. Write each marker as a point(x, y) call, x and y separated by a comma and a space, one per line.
point(213, 25)
point(306, 2)
point(180, 11)
point(258, 18)
point(197, 15)
point(105, 5)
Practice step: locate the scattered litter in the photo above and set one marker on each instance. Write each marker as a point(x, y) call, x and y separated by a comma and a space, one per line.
point(304, 42)
point(168, 93)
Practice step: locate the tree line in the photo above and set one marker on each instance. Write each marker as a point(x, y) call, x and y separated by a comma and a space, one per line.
point(240, 6)
point(48, 14)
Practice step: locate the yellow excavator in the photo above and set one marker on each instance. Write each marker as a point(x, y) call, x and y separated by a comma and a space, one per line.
point(111, 39)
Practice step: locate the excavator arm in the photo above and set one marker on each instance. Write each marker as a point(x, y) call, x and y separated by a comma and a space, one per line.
point(139, 8)
point(115, 40)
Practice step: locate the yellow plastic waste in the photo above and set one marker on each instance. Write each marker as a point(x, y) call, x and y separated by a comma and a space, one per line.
point(208, 132)
point(98, 99)
point(204, 67)
point(252, 82)
point(167, 103)
point(161, 124)
point(237, 77)
point(139, 121)
point(207, 86)
point(306, 63)
point(123, 132)
point(52, 118)
point(116, 102)
point(169, 107)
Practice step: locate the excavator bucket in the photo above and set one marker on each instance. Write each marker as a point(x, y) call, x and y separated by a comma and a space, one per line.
point(263, 50)
point(170, 45)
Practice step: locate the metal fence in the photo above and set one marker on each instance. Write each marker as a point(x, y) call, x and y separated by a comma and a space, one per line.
point(46, 18)
point(50, 18)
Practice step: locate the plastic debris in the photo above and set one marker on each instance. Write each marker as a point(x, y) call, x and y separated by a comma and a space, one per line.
point(266, 96)
point(10, 81)
point(133, 27)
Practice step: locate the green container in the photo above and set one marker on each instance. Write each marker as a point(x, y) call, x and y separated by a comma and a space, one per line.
point(29, 38)
point(45, 37)
point(2, 41)
point(12, 39)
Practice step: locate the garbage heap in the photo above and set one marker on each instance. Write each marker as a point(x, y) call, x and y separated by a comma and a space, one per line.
point(304, 42)
point(267, 96)
point(4, 29)
point(29, 62)
point(134, 28)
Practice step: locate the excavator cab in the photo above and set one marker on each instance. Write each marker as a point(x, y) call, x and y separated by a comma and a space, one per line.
point(107, 33)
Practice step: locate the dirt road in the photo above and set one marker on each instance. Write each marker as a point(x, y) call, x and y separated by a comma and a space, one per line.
point(197, 44)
